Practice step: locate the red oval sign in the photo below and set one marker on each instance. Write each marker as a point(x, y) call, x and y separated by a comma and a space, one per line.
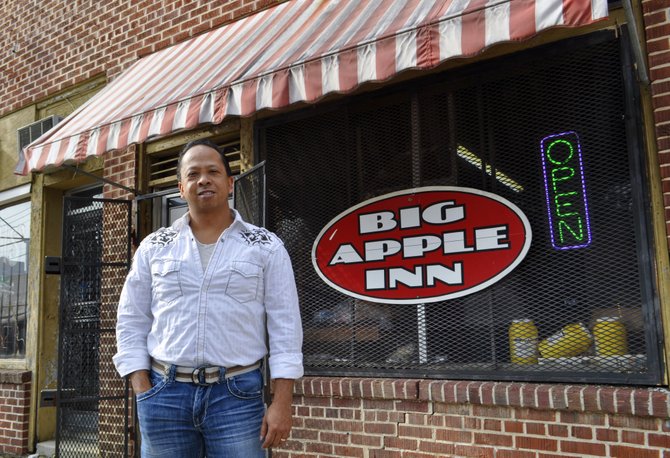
point(422, 245)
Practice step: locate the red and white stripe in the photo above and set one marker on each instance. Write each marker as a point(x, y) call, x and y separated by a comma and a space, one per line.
point(297, 51)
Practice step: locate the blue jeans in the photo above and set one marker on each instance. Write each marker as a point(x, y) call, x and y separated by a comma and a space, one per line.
point(183, 420)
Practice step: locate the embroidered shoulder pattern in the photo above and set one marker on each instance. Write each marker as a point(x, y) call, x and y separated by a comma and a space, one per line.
point(163, 237)
point(257, 237)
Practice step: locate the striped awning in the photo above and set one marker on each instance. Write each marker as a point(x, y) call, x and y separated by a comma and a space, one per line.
point(297, 51)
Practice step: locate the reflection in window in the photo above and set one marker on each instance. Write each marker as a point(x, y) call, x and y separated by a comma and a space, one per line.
point(14, 244)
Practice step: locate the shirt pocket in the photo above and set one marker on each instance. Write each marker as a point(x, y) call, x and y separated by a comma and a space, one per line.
point(244, 281)
point(166, 280)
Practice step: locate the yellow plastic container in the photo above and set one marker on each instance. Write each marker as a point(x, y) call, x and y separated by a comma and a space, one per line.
point(573, 340)
point(523, 342)
point(610, 337)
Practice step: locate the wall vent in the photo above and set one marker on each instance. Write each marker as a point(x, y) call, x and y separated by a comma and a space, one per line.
point(31, 132)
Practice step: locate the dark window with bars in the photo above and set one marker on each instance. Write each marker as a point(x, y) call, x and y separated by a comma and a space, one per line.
point(582, 290)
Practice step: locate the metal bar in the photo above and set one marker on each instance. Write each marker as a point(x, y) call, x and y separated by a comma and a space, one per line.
point(103, 179)
point(422, 343)
point(654, 335)
point(634, 39)
point(153, 195)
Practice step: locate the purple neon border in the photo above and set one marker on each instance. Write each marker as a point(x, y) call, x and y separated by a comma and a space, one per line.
point(546, 191)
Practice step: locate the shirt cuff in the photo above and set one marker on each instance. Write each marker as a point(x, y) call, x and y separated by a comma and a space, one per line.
point(127, 364)
point(287, 366)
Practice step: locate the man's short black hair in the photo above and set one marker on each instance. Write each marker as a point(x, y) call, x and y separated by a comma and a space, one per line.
point(204, 142)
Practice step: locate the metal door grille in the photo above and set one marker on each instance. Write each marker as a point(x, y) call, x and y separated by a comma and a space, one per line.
point(92, 400)
point(483, 127)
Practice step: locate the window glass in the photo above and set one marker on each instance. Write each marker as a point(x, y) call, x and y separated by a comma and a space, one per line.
point(14, 246)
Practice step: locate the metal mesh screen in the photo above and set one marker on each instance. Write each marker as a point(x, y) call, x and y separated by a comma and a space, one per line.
point(577, 307)
point(249, 195)
point(92, 401)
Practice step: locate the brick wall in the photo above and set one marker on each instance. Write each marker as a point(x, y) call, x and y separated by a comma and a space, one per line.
point(50, 45)
point(657, 31)
point(15, 389)
point(384, 418)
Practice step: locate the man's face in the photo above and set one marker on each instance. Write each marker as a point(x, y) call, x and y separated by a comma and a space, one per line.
point(204, 183)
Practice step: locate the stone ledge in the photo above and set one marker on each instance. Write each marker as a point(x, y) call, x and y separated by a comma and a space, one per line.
point(640, 402)
point(15, 377)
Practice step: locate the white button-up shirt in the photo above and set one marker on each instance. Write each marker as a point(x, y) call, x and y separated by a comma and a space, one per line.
point(172, 310)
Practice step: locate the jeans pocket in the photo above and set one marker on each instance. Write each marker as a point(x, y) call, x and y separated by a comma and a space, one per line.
point(246, 386)
point(158, 382)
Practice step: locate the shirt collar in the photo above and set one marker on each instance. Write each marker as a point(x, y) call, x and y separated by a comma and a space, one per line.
point(182, 223)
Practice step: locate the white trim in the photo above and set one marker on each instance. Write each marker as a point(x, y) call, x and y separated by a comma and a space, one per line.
point(10, 195)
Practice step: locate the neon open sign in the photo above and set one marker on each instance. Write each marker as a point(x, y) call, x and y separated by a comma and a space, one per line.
point(565, 188)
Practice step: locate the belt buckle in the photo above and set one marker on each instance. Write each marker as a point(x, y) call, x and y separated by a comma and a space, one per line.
point(199, 376)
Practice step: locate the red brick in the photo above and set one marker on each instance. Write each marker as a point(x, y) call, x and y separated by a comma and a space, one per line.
point(659, 400)
point(403, 443)
point(492, 425)
point(622, 451)
point(632, 437)
point(436, 448)
point(415, 431)
point(487, 393)
point(461, 392)
point(654, 18)
point(453, 421)
point(557, 430)
point(536, 415)
point(626, 421)
point(306, 434)
point(607, 435)
point(590, 394)
point(385, 454)
point(500, 394)
point(333, 438)
point(380, 428)
point(493, 439)
point(584, 448)
point(543, 393)
point(472, 423)
point(412, 406)
point(451, 435)
point(582, 418)
point(513, 426)
point(659, 440)
point(558, 395)
point(658, 31)
point(473, 451)
point(419, 419)
point(316, 447)
point(365, 440)
point(314, 423)
point(534, 443)
point(514, 454)
point(582, 432)
point(348, 451)
point(491, 411)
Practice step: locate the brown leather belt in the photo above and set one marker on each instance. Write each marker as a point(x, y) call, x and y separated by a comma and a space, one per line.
point(203, 375)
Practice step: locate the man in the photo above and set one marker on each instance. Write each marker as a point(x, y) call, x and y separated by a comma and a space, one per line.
point(192, 324)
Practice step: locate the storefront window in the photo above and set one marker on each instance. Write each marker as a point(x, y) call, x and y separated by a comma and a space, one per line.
point(14, 245)
point(545, 130)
